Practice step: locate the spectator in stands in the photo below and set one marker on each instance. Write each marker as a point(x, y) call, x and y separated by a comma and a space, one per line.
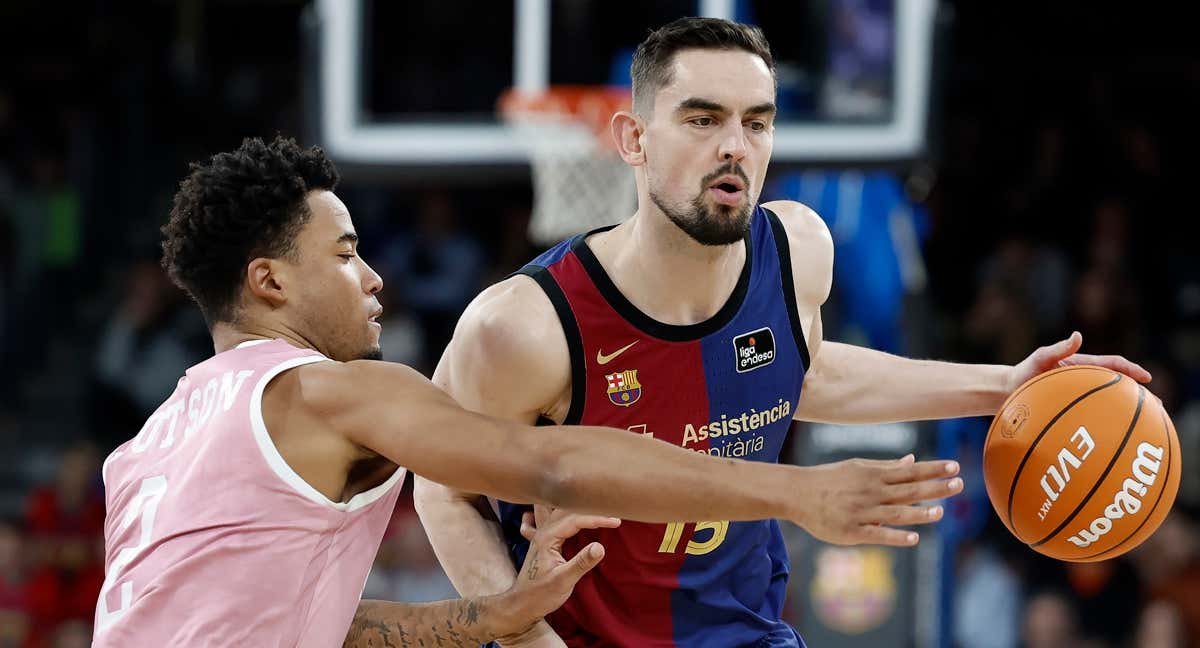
point(987, 606)
point(1168, 564)
point(1107, 597)
point(151, 338)
point(49, 222)
point(65, 520)
point(76, 633)
point(1108, 249)
point(999, 326)
point(401, 338)
point(1160, 626)
point(1050, 621)
point(513, 248)
point(14, 587)
point(1105, 311)
point(1034, 273)
point(437, 268)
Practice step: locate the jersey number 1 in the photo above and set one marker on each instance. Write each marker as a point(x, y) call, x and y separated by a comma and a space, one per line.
point(144, 505)
point(675, 531)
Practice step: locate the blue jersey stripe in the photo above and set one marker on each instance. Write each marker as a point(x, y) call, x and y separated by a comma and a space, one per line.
point(733, 595)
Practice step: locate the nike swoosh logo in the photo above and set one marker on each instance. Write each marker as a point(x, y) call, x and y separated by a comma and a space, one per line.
point(605, 359)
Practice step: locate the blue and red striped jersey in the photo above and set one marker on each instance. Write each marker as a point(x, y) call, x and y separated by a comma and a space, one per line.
point(726, 386)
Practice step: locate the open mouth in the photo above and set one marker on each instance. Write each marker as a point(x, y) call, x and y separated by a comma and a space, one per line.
point(729, 183)
point(728, 190)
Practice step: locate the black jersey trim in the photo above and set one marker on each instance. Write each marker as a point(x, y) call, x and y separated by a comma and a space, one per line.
point(789, 283)
point(649, 325)
point(570, 326)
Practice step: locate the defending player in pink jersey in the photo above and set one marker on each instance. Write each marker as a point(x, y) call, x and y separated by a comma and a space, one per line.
point(248, 509)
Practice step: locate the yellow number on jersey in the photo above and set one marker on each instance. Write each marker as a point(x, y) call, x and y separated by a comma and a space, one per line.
point(674, 532)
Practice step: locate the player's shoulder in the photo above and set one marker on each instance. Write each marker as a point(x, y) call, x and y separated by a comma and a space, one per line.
point(511, 317)
point(325, 388)
point(511, 329)
point(509, 354)
point(800, 221)
point(329, 412)
point(810, 247)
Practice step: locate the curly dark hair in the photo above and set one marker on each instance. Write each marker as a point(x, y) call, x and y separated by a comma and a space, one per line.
point(235, 207)
point(652, 60)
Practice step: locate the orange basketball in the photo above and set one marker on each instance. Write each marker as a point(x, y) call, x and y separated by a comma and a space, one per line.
point(1082, 463)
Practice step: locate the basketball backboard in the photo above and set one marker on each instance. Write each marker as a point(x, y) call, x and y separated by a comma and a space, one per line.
point(415, 83)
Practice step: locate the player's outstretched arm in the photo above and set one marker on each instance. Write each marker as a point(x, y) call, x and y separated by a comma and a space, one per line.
point(852, 384)
point(545, 582)
point(394, 411)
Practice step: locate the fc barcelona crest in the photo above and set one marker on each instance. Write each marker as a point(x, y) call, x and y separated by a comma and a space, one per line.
point(624, 388)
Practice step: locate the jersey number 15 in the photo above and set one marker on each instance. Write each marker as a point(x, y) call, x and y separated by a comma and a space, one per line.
point(674, 533)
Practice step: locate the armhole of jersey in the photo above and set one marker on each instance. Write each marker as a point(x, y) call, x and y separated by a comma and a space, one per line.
point(789, 283)
point(570, 327)
point(280, 466)
point(104, 467)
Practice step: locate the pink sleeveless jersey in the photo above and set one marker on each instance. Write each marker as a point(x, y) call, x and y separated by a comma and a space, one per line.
point(211, 539)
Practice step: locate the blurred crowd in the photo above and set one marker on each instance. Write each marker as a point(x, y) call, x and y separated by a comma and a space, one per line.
point(1048, 205)
point(1062, 178)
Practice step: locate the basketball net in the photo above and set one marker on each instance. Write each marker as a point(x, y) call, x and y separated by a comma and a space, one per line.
point(579, 181)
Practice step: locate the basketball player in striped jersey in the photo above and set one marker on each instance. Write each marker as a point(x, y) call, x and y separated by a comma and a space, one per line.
point(248, 509)
point(696, 322)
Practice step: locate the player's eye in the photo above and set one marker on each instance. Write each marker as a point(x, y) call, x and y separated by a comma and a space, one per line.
point(703, 121)
point(758, 126)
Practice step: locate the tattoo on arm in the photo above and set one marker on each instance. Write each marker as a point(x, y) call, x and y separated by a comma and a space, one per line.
point(445, 624)
point(532, 559)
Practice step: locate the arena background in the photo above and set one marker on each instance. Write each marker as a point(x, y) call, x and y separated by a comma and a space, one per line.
point(995, 176)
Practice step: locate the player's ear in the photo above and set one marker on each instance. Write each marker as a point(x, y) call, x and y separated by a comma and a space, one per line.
point(627, 129)
point(267, 279)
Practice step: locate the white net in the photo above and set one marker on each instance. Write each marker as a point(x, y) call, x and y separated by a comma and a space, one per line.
point(579, 183)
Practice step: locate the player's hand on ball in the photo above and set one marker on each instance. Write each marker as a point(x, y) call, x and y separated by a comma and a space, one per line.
point(860, 501)
point(547, 577)
point(1065, 353)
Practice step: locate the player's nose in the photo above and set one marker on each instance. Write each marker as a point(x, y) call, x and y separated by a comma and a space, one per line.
point(733, 144)
point(373, 282)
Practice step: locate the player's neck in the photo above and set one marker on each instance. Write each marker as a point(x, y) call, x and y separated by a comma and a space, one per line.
point(227, 336)
point(667, 274)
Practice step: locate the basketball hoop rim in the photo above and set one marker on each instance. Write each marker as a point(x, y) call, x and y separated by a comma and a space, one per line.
point(590, 106)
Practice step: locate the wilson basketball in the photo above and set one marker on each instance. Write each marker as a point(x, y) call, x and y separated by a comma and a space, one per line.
point(1082, 463)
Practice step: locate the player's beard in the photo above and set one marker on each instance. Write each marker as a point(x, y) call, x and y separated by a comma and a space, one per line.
point(716, 225)
point(373, 353)
point(321, 328)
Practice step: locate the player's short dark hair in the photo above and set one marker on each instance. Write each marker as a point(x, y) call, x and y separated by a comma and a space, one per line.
point(652, 61)
point(235, 207)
